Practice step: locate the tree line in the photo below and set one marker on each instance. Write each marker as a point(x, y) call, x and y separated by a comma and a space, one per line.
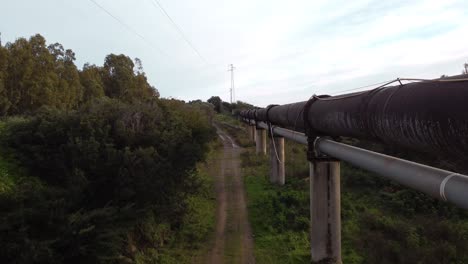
point(34, 75)
point(100, 169)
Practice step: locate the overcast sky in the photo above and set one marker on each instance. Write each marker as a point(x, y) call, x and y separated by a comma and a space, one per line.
point(283, 51)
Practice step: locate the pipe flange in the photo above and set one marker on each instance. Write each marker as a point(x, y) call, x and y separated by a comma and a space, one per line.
point(268, 108)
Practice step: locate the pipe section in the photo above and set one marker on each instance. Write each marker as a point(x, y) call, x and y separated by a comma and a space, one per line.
point(429, 116)
point(442, 184)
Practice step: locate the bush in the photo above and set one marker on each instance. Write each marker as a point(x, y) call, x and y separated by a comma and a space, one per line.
point(97, 171)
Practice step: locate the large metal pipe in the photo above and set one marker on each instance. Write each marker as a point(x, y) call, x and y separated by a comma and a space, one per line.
point(289, 134)
point(441, 184)
point(430, 116)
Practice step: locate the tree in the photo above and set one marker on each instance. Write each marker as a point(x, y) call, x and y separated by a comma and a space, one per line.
point(217, 102)
point(118, 76)
point(465, 68)
point(33, 75)
point(124, 81)
point(69, 91)
point(40, 75)
point(226, 107)
point(142, 88)
point(242, 105)
point(31, 79)
point(41, 85)
point(207, 108)
point(4, 101)
point(138, 66)
point(93, 86)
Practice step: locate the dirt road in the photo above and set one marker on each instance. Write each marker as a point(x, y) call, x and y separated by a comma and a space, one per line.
point(233, 241)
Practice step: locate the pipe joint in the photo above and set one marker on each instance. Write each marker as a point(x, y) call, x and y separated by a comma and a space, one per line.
point(313, 152)
point(268, 108)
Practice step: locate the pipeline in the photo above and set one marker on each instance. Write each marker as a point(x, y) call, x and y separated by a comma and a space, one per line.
point(429, 116)
point(441, 184)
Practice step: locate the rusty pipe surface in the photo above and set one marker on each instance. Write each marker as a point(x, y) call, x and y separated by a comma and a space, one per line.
point(430, 116)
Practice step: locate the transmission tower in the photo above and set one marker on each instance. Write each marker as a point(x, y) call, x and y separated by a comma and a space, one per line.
point(231, 69)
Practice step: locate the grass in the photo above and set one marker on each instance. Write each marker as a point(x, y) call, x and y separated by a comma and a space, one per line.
point(235, 128)
point(227, 119)
point(277, 216)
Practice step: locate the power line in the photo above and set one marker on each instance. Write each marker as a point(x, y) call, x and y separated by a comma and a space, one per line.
point(127, 27)
point(361, 87)
point(156, 2)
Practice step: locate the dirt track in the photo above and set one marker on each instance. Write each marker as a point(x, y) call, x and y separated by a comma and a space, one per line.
point(233, 241)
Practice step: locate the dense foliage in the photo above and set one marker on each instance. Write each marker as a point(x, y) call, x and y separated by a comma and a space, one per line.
point(94, 167)
point(96, 172)
point(224, 107)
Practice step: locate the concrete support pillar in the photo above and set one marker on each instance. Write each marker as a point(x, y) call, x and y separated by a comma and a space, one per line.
point(261, 141)
point(277, 160)
point(325, 238)
point(251, 131)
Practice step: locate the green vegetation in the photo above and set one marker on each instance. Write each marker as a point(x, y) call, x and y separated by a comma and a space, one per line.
point(382, 222)
point(109, 180)
point(9, 173)
point(387, 223)
point(35, 75)
point(225, 107)
point(188, 245)
point(279, 215)
point(94, 166)
point(233, 127)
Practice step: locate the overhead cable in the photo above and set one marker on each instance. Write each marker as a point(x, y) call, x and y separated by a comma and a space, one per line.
point(127, 27)
point(179, 29)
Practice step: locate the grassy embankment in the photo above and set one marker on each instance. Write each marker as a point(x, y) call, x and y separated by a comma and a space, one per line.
point(382, 222)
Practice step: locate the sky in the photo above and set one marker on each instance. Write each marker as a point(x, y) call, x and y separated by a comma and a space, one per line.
point(283, 51)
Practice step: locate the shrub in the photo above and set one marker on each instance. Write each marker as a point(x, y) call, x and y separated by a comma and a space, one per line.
point(97, 171)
